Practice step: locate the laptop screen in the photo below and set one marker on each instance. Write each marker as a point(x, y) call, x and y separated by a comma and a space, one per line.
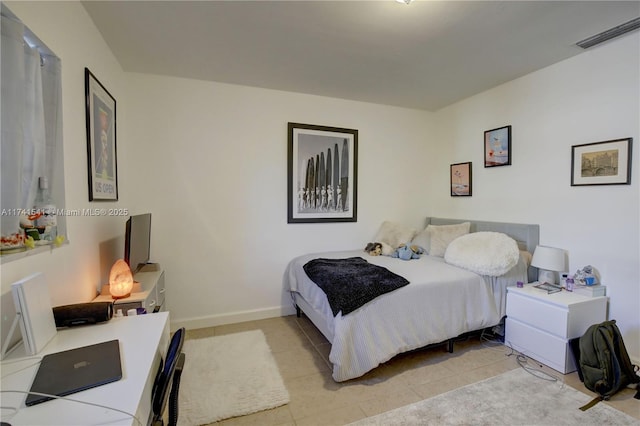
point(75, 370)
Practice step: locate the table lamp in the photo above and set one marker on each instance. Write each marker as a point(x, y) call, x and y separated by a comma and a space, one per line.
point(120, 280)
point(549, 261)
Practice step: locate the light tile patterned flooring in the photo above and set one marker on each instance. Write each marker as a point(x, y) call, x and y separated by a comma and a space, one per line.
point(302, 352)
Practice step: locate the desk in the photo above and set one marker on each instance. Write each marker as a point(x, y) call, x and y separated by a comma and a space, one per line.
point(143, 343)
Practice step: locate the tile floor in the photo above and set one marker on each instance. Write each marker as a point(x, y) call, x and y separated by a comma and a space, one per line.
point(301, 352)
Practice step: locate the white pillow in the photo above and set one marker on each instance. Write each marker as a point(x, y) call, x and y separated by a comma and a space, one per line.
point(394, 234)
point(442, 235)
point(422, 239)
point(485, 253)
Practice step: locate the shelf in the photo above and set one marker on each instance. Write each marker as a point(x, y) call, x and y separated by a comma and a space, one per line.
point(10, 257)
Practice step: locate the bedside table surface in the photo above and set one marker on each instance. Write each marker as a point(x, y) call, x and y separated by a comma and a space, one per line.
point(561, 298)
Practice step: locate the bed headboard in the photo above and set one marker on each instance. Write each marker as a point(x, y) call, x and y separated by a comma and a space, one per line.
point(525, 234)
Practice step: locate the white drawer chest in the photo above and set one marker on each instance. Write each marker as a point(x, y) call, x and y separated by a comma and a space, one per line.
point(540, 325)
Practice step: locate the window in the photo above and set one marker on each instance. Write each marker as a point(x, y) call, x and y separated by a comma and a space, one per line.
point(31, 123)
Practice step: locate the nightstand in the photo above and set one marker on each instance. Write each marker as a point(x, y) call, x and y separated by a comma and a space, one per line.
point(540, 325)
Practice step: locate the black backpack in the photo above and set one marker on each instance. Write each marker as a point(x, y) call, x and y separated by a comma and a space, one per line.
point(604, 363)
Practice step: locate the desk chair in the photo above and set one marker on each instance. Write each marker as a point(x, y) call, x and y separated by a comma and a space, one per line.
point(167, 382)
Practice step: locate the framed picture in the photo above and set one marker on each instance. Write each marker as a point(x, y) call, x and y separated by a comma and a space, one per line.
point(322, 181)
point(497, 147)
point(601, 163)
point(101, 140)
point(461, 179)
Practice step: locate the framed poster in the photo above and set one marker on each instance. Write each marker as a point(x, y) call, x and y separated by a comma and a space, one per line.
point(322, 178)
point(497, 147)
point(101, 140)
point(601, 163)
point(460, 179)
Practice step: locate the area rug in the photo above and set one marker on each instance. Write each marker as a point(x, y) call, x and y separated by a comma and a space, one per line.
point(228, 376)
point(513, 398)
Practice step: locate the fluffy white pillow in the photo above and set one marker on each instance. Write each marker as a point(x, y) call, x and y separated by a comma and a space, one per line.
point(394, 234)
point(442, 235)
point(485, 253)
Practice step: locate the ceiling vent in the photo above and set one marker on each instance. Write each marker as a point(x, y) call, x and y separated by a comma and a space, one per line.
point(614, 32)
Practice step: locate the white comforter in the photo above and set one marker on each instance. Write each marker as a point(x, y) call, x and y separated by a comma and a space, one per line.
point(441, 302)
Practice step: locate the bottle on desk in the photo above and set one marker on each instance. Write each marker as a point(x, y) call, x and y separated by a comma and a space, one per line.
point(569, 283)
point(46, 208)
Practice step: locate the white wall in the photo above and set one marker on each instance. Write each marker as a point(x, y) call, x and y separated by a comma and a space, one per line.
point(209, 161)
point(212, 169)
point(75, 271)
point(592, 97)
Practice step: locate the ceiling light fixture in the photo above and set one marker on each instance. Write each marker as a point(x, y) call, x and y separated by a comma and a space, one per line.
point(614, 32)
point(404, 1)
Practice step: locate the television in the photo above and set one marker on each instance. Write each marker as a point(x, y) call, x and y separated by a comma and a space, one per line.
point(137, 241)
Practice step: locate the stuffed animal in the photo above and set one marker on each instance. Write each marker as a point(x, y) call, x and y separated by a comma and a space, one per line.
point(374, 249)
point(408, 252)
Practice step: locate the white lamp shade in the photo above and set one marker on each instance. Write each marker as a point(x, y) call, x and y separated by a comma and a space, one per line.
point(549, 259)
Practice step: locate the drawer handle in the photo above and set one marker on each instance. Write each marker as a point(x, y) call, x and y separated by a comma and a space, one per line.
point(161, 290)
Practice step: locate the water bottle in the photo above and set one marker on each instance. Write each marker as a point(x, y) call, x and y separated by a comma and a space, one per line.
point(569, 283)
point(47, 222)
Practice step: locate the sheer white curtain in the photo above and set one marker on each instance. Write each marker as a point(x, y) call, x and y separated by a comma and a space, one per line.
point(31, 120)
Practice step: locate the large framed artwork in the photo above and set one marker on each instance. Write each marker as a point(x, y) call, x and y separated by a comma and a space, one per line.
point(601, 163)
point(101, 140)
point(460, 178)
point(497, 147)
point(322, 184)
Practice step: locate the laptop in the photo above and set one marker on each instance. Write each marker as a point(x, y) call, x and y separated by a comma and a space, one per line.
point(75, 370)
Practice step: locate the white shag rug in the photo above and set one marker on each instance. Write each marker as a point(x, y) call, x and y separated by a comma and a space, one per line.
point(228, 376)
point(513, 398)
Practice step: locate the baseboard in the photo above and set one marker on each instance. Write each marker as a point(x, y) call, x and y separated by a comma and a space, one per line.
point(232, 318)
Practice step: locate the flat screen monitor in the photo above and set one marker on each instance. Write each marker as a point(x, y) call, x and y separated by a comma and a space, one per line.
point(137, 245)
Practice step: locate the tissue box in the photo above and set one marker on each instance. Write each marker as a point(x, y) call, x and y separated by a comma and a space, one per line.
point(591, 290)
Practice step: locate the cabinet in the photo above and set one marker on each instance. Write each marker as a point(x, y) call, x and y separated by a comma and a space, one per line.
point(148, 291)
point(540, 325)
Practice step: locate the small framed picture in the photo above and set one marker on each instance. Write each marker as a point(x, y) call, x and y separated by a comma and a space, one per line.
point(101, 140)
point(601, 163)
point(497, 147)
point(322, 174)
point(461, 179)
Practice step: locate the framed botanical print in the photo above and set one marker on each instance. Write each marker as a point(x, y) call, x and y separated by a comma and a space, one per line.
point(322, 179)
point(460, 178)
point(101, 140)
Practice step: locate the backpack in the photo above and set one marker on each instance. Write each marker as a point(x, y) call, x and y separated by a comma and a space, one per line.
point(604, 362)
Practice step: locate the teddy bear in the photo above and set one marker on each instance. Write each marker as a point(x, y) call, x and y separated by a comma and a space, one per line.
point(408, 252)
point(374, 249)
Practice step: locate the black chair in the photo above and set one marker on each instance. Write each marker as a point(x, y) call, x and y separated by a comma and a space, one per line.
point(167, 384)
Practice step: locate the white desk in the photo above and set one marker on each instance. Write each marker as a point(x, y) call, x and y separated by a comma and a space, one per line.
point(143, 343)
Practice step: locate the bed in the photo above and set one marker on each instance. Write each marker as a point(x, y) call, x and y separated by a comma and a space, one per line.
point(440, 302)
